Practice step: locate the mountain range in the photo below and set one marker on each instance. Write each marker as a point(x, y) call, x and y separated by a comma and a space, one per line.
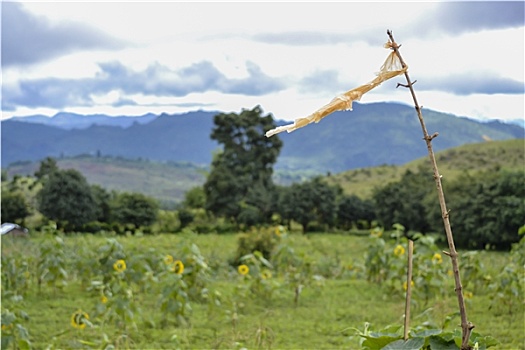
point(370, 135)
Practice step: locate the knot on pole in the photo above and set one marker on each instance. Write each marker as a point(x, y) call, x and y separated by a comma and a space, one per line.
point(406, 85)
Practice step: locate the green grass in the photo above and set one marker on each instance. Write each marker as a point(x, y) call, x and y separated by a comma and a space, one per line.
point(323, 319)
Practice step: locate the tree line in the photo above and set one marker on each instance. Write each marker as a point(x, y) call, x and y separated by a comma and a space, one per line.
point(65, 197)
point(486, 208)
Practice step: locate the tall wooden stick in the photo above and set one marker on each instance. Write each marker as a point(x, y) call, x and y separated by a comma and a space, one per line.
point(408, 297)
point(466, 326)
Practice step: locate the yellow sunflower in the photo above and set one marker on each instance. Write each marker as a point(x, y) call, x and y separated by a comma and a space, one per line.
point(399, 250)
point(405, 286)
point(177, 267)
point(243, 269)
point(119, 265)
point(266, 274)
point(78, 319)
point(437, 259)
point(168, 260)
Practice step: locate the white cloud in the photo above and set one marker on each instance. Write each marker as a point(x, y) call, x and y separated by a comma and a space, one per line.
point(313, 50)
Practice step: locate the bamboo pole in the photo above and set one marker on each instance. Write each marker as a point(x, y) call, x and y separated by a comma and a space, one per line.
point(466, 326)
point(408, 297)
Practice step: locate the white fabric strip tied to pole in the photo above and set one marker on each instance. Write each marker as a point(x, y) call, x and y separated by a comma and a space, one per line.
point(391, 68)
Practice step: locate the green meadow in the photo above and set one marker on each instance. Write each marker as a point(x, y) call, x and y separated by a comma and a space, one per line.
point(189, 291)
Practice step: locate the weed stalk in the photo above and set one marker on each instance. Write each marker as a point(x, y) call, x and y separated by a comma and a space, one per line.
point(466, 326)
point(408, 297)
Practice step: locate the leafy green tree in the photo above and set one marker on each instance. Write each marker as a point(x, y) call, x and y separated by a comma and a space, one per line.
point(487, 209)
point(244, 167)
point(66, 197)
point(14, 207)
point(134, 208)
point(102, 203)
point(195, 198)
point(47, 167)
point(312, 200)
point(406, 202)
point(352, 209)
point(186, 217)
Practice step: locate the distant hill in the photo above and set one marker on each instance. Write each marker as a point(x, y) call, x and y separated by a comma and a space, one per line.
point(70, 121)
point(383, 133)
point(370, 135)
point(472, 158)
point(177, 138)
point(168, 182)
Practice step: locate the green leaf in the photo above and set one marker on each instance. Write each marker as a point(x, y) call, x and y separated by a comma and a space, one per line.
point(483, 341)
point(438, 343)
point(425, 333)
point(410, 344)
point(24, 344)
point(377, 343)
point(5, 341)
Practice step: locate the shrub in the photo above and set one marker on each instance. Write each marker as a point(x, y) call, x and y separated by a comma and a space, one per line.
point(261, 240)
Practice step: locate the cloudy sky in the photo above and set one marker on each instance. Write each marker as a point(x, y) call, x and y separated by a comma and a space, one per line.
point(131, 58)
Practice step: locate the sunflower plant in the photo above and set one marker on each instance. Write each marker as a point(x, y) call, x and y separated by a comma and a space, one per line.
point(297, 269)
point(16, 276)
point(196, 270)
point(14, 333)
point(113, 286)
point(174, 300)
point(52, 264)
point(257, 276)
point(508, 287)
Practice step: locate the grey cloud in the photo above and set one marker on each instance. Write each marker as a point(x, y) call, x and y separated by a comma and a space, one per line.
point(327, 81)
point(156, 80)
point(28, 39)
point(471, 16)
point(468, 16)
point(448, 18)
point(473, 83)
point(300, 38)
point(310, 38)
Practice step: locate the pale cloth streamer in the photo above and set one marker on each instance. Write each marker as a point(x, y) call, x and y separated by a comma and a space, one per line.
point(391, 68)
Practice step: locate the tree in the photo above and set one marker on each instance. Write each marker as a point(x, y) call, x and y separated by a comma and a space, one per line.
point(195, 198)
point(102, 203)
point(47, 167)
point(14, 207)
point(66, 197)
point(487, 209)
point(134, 208)
point(405, 202)
point(352, 209)
point(309, 201)
point(244, 166)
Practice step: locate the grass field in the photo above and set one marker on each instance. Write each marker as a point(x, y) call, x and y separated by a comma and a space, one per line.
point(230, 310)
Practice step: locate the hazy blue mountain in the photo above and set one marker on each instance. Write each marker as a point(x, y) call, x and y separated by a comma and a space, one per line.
point(382, 133)
point(520, 122)
point(370, 135)
point(182, 137)
point(70, 121)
